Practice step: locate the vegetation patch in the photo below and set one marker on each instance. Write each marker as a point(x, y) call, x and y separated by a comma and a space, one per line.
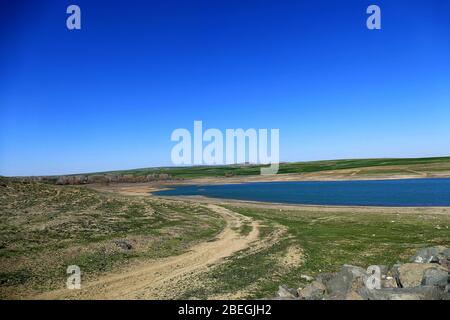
point(327, 240)
point(46, 228)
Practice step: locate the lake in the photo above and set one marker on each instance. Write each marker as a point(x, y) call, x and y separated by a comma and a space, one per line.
point(402, 193)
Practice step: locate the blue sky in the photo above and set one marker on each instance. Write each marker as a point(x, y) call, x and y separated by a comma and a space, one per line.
point(109, 95)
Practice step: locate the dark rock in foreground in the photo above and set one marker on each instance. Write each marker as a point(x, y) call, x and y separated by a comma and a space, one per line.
point(427, 277)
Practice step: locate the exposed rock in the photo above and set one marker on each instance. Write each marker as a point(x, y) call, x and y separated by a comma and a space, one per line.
point(396, 274)
point(389, 282)
point(430, 255)
point(353, 295)
point(314, 291)
point(411, 274)
point(324, 277)
point(446, 253)
point(416, 293)
point(286, 292)
point(124, 245)
point(410, 281)
point(435, 277)
point(350, 278)
point(445, 263)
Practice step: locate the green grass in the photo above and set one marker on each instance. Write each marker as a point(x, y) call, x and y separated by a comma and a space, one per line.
point(433, 164)
point(329, 240)
point(46, 228)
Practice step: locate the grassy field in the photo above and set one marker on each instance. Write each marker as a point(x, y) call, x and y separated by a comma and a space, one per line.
point(388, 166)
point(46, 228)
point(328, 239)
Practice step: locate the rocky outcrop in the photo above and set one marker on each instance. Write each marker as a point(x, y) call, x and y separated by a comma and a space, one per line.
point(426, 277)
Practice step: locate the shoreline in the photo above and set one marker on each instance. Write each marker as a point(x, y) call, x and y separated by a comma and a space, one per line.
point(298, 206)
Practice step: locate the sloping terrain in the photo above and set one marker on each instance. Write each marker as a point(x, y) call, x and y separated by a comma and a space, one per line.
point(46, 228)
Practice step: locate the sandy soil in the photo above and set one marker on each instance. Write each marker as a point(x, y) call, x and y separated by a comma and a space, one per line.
point(159, 279)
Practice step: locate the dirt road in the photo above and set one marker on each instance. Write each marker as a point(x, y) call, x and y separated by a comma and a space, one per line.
point(160, 279)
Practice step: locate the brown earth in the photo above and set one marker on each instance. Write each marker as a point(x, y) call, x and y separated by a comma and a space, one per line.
point(156, 280)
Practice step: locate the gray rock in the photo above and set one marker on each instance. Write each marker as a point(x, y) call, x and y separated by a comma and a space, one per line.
point(435, 277)
point(350, 278)
point(389, 282)
point(416, 293)
point(429, 255)
point(445, 263)
point(411, 274)
point(396, 274)
point(286, 292)
point(325, 277)
point(446, 253)
point(353, 295)
point(356, 271)
point(123, 245)
point(314, 291)
point(384, 270)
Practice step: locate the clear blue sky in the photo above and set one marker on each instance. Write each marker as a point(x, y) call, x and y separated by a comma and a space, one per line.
point(109, 96)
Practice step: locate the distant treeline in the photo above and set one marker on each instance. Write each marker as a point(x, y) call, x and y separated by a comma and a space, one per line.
point(95, 178)
point(179, 173)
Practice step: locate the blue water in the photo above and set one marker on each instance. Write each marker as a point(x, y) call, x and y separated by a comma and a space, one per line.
point(402, 193)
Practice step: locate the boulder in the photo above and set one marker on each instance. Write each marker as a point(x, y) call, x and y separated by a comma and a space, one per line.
point(411, 274)
point(350, 278)
point(353, 295)
point(445, 263)
point(430, 255)
point(446, 253)
point(286, 292)
point(314, 291)
point(435, 277)
point(416, 293)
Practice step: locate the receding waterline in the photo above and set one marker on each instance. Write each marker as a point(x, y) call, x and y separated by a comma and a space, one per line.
point(389, 193)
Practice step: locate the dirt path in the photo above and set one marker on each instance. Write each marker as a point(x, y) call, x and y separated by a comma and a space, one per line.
point(159, 279)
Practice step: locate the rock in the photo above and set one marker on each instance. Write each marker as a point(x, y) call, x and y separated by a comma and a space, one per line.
point(324, 277)
point(396, 274)
point(123, 245)
point(306, 277)
point(416, 293)
point(389, 282)
point(286, 292)
point(411, 274)
point(350, 278)
point(445, 263)
point(314, 291)
point(353, 295)
point(355, 271)
point(384, 270)
point(446, 253)
point(429, 255)
point(435, 277)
